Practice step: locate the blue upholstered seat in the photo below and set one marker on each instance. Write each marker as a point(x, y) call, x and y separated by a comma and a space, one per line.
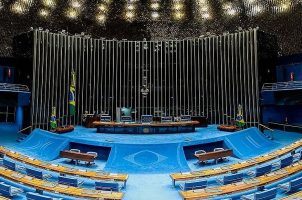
point(37, 174)
point(231, 178)
point(8, 190)
point(261, 171)
point(9, 164)
point(107, 186)
point(263, 195)
point(69, 181)
point(191, 185)
point(292, 185)
point(36, 196)
point(286, 161)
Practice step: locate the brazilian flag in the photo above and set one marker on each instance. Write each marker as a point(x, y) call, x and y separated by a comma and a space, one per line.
point(53, 119)
point(72, 95)
point(239, 118)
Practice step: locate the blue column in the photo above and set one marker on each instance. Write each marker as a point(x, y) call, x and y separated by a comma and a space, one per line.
point(19, 117)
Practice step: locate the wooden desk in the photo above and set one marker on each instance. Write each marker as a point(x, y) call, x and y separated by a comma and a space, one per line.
point(295, 196)
point(237, 166)
point(3, 198)
point(244, 185)
point(77, 156)
point(214, 155)
point(58, 188)
point(63, 169)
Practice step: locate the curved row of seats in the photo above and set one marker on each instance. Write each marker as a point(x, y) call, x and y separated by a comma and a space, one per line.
point(106, 186)
point(234, 183)
point(65, 186)
point(63, 169)
point(237, 166)
point(294, 196)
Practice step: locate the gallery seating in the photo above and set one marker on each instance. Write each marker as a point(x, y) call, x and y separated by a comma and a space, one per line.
point(69, 181)
point(37, 196)
point(37, 174)
point(262, 195)
point(63, 169)
point(244, 185)
point(11, 165)
point(107, 186)
point(230, 178)
point(53, 187)
point(292, 185)
point(237, 166)
point(191, 185)
point(259, 171)
point(294, 196)
point(8, 190)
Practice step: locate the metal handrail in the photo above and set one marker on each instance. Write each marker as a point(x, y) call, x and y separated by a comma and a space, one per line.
point(282, 86)
point(14, 87)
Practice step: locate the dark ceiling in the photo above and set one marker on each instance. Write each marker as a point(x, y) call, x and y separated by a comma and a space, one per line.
point(153, 19)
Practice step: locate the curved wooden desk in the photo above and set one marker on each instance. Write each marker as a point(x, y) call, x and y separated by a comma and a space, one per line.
point(154, 124)
point(243, 185)
point(62, 169)
point(138, 128)
point(295, 196)
point(3, 198)
point(58, 188)
point(237, 166)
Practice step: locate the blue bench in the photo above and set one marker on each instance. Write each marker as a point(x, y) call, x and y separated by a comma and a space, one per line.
point(261, 171)
point(69, 181)
point(36, 196)
point(263, 195)
point(232, 178)
point(286, 161)
point(292, 185)
point(11, 165)
point(191, 185)
point(107, 186)
point(37, 174)
point(8, 190)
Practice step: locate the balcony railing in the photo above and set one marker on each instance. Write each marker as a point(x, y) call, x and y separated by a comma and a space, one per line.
point(291, 85)
point(13, 87)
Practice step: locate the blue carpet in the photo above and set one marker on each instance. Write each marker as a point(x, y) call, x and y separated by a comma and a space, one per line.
point(149, 159)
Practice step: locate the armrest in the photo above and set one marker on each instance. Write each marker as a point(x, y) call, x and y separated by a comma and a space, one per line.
point(284, 186)
point(219, 180)
point(80, 182)
point(276, 164)
point(19, 167)
point(46, 176)
point(251, 173)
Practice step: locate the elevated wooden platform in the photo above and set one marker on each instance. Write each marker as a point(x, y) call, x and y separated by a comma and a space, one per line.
point(143, 128)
